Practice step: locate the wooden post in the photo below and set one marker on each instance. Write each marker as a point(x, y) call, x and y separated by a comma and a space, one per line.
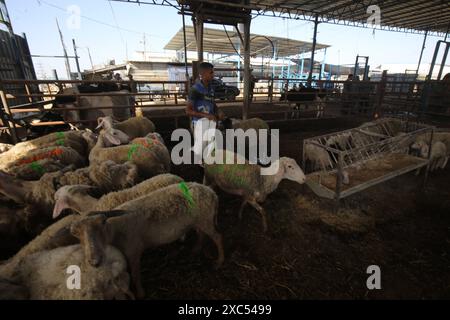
point(27, 89)
point(11, 125)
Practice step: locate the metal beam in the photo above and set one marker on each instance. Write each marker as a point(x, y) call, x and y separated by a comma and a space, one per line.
point(247, 95)
point(311, 67)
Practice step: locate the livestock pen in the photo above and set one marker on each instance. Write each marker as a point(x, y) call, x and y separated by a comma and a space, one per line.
point(367, 99)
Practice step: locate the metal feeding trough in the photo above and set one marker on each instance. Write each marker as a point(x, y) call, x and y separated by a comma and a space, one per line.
point(368, 155)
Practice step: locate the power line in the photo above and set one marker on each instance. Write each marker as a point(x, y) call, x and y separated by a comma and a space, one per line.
point(97, 21)
point(118, 28)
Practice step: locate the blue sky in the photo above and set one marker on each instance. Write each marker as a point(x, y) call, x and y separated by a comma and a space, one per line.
point(37, 19)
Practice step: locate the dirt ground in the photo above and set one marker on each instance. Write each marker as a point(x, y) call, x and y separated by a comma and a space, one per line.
point(311, 253)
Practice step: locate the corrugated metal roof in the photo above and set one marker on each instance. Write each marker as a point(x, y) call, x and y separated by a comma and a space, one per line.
point(416, 16)
point(217, 41)
point(421, 15)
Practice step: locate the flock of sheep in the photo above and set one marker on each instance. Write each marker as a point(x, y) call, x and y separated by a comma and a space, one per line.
point(122, 200)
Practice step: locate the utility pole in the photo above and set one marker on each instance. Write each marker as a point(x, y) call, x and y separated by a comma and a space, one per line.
point(76, 58)
point(66, 56)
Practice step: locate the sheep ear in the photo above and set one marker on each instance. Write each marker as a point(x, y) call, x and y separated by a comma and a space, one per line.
point(100, 122)
point(60, 205)
point(112, 139)
point(114, 213)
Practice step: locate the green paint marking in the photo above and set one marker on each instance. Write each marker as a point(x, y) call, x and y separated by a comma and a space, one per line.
point(134, 148)
point(187, 195)
point(60, 137)
point(35, 166)
point(232, 174)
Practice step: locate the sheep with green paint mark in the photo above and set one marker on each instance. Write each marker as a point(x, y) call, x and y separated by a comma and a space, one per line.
point(156, 219)
point(80, 141)
point(79, 199)
point(246, 180)
point(36, 163)
point(150, 161)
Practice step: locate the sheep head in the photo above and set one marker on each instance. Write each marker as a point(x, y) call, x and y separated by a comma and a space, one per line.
point(113, 137)
point(93, 233)
point(292, 170)
point(75, 197)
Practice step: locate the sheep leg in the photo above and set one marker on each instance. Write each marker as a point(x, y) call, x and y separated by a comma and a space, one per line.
point(261, 211)
point(445, 163)
point(205, 180)
point(208, 228)
point(199, 244)
point(135, 270)
point(241, 209)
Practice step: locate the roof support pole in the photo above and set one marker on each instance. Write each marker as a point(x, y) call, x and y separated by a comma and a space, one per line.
point(311, 67)
point(198, 23)
point(303, 65)
point(247, 71)
point(421, 52)
point(239, 66)
point(446, 33)
point(185, 48)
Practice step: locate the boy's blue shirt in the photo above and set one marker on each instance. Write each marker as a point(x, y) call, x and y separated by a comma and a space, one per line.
point(202, 98)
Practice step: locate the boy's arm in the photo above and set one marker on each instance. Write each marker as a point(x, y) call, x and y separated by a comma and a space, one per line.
point(192, 113)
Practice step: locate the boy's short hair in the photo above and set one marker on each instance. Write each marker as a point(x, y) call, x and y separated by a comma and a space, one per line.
point(205, 66)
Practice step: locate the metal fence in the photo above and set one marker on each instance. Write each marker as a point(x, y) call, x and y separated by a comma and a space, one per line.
point(338, 98)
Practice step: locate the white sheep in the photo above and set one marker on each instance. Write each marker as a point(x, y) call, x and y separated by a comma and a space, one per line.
point(106, 176)
point(38, 196)
point(45, 275)
point(37, 162)
point(158, 218)
point(439, 154)
point(318, 157)
point(77, 198)
point(80, 141)
point(443, 137)
point(343, 141)
point(151, 157)
point(245, 180)
point(134, 127)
